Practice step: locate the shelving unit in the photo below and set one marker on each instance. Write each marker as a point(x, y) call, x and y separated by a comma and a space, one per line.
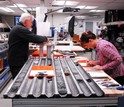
point(113, 23)
point(114, 20)
point(5, 75)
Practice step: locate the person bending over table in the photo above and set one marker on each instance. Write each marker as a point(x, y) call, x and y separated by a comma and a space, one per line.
point(109, 59)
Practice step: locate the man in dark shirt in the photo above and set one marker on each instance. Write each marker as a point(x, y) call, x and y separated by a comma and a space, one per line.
point(19, 39)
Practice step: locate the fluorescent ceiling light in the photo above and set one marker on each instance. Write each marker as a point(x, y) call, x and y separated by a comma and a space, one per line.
point(97, 11)
point(31, 9)
point(81, 7)
point(60, 11)
point(81, 17)
point(71, 3)
point(19, 5)
point(64, 3)
point(92, 11)
point(6, 9)
point(24, 10)
point(58, 2)
point(86, 7)
point(34, 9)
point(90, 7)
point(100, 10)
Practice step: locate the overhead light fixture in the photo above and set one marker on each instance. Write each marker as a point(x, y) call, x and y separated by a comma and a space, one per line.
point(81, 17)
point(21, 5)
point(18, 5)
point(90, 7)
point(81, 7)
point(24, 10)
point(97, 11)
point(100, 10)
point(34, 9)
point(71, 3)
point(58, 2)
point(60, 11)
point(92, 11)
point(30, 9)
point(64, 3)
point(86, 7)
point(6, 9)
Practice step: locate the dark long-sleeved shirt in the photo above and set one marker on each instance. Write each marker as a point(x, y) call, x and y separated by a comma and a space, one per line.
point(19, 39)
point(109, 58)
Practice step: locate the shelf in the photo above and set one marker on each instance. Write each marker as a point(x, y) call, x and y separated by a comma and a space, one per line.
point(3, 51)
point(5, 80)
point(5, 70)
point(113, 23)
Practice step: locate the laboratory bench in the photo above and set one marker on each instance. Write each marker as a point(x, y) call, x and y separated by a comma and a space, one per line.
point(61, 82)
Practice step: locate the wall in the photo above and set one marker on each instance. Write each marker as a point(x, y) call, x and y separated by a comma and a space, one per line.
point(58, 20)
point(9, 19)
point(95, 25)
point(79, 26)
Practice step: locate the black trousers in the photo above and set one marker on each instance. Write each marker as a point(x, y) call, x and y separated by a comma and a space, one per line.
point(15, 70)
point(120, 80)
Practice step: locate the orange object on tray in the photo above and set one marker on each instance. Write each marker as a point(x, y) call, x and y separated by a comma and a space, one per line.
point(36, 53)
point(47, 71)
point(82, 60)
point(42, 68)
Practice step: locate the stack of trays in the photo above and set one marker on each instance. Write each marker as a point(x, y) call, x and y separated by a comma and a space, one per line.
point(69, 80)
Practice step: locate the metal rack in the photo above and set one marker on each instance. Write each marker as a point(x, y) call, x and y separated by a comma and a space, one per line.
point(70, 80)
point(5, 75)
point(71, 86)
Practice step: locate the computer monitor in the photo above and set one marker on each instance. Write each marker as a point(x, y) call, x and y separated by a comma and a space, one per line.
point(16, 20)
point(71, 26)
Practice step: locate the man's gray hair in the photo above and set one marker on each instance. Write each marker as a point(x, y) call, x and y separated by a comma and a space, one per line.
point(26, 16)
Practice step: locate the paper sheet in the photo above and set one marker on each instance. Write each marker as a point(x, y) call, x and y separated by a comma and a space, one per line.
point(36, 72)
point(47, 70)
point(97, 74)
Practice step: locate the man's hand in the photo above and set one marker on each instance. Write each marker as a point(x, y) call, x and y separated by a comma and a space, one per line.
point(44, 43)
point(47, 42)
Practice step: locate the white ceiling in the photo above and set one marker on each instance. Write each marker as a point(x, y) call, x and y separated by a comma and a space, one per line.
point(102, 4)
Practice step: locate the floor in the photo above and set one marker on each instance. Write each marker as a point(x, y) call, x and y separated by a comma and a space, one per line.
point(5, 102)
